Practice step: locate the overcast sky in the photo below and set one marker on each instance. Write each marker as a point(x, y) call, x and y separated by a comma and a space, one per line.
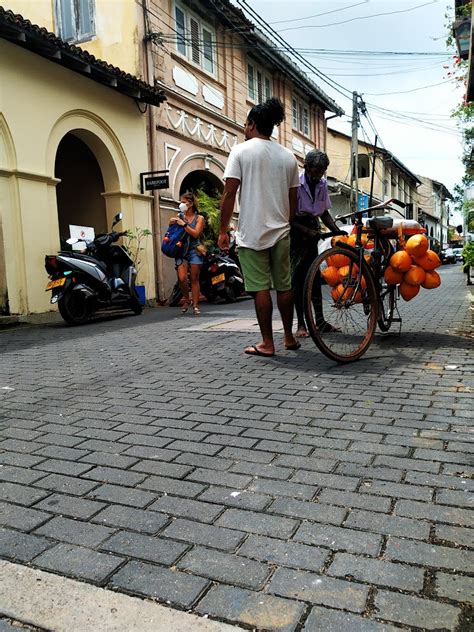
point(432, 153)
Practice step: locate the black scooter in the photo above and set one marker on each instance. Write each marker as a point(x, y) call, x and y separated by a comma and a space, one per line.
point(102, 278)
point(220, 277)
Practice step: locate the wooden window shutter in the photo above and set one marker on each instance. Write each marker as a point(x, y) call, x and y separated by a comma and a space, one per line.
point(85, 18)
point(66, 19)
point(195, 48)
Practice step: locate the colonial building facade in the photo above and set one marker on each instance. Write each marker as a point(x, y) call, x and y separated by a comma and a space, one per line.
point(76, 132)
point(433, 210)
point(214, 65)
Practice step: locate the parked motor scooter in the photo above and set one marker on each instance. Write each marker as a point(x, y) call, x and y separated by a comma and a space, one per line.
point(220, 277)
point(101, 278)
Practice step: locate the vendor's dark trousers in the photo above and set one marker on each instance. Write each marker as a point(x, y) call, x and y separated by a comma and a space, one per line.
point(302, 255)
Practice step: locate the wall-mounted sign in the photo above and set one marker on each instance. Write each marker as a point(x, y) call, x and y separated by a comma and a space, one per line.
point(151, 180)
point(362, 201)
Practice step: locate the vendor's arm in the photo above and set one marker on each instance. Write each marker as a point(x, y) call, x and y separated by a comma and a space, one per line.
point(329, 222)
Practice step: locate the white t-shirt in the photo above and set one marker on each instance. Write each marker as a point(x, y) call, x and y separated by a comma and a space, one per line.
point(266, 171)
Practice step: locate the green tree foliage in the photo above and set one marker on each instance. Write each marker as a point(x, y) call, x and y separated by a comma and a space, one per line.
point(209, 207)
point(464, 114)
point(468, 254)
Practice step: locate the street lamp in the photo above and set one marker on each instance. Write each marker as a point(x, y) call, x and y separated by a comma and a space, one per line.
point(462, 33)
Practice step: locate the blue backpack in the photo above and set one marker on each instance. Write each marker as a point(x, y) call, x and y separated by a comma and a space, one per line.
point(175, 242)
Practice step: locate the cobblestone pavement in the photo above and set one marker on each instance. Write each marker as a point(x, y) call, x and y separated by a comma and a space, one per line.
point(151, 456)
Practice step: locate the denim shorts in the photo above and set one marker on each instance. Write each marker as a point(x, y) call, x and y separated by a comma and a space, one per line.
point(190, 257)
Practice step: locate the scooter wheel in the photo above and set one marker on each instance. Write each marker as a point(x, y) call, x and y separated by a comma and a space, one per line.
point(135, 305)
point(230, 296)
point(175, 297)
point(73, 307)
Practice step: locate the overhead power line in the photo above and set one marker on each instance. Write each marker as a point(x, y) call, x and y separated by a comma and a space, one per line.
point(318, 15)
point(340, 89)
point(431, 85)
point(362, 17)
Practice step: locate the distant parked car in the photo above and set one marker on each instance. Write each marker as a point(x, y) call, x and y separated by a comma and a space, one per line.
point(457, 253)
point(448, 255)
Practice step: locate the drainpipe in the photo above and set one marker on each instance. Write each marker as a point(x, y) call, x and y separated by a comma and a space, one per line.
point(155, 215)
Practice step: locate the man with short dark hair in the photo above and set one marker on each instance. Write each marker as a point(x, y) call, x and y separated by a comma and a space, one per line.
point(313, 206)
point(267, 175)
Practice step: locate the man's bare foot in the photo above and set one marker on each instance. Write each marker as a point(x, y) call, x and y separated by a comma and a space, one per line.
point(291, 343)
point(260, 350)
point(302, 332)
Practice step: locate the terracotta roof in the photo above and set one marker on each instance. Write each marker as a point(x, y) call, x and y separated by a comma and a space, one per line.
point(20, 31)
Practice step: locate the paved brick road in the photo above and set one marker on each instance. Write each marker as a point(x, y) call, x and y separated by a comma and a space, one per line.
point(149, 455)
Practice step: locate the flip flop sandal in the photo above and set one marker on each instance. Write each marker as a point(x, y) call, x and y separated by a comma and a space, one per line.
point(255, 351)
point(294, 347)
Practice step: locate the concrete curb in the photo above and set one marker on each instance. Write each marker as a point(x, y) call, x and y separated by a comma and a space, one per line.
point(64, 605)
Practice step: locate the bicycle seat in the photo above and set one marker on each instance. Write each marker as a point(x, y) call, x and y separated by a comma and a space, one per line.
point(379, 223)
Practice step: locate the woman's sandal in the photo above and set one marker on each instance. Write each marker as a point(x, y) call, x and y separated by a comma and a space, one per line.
point(196, 310)
point(185, 307)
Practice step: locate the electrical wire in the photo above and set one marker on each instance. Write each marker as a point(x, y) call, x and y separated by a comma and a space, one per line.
point(334, 84)
point(432, 85)
point(225, 73)
point(362, 17)
point(318, 15)
point(393, 115)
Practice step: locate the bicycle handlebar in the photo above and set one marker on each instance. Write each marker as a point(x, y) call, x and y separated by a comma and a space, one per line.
point(378, 207)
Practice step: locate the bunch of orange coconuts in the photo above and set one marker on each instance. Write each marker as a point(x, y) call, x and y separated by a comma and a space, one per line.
point(411, 267)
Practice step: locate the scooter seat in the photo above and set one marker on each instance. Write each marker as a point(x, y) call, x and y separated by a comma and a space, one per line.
point(97, 262)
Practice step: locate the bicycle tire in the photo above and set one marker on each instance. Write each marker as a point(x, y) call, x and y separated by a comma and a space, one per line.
point(354, 319)
point(386, 307)
point(387, 300)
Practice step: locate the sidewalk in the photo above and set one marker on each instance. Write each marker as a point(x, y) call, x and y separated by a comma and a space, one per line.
point(150, 456)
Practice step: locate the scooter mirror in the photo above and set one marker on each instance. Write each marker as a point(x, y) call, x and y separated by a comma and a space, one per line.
point(118, 218)
point(72, 240)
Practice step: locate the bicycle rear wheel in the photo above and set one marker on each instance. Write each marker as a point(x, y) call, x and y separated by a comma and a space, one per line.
point(340, 304)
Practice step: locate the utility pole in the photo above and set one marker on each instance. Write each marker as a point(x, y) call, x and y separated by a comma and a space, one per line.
point(355, 152)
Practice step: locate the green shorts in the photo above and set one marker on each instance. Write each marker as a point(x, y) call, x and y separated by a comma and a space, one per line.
point(267, 269)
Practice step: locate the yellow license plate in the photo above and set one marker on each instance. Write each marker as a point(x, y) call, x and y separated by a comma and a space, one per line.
point(217, 279)
point(57, 283)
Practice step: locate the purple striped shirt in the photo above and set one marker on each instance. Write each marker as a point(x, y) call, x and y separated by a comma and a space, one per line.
point(309, 206)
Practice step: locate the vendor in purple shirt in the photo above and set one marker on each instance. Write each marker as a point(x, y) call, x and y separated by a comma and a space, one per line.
point(313, 205)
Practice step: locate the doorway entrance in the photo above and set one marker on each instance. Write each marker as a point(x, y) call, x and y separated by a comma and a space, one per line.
point(79, 194)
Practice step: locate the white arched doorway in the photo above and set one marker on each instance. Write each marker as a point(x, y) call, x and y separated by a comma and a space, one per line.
point(95, 180)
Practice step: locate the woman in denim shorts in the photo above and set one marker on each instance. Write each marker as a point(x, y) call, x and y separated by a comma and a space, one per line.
point(194, 225)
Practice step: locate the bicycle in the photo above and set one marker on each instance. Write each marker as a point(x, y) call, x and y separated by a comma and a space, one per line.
point(345, 293)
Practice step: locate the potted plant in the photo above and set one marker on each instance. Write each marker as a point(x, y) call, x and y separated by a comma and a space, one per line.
point(134, 244)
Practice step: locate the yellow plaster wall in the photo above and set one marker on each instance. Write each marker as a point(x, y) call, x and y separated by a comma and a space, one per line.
point(339, 152)
point(117, 25)
point(61, 101)
point(39, 12)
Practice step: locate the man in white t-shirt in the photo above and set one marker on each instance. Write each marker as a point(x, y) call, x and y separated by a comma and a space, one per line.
point(267, 175)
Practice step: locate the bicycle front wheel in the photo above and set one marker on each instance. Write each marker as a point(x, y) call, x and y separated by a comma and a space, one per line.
point(340, 304)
